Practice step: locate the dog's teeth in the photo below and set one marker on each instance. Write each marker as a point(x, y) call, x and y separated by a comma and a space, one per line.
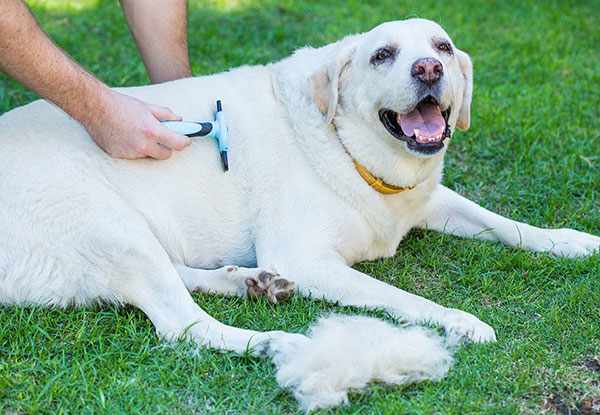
point(425, 139)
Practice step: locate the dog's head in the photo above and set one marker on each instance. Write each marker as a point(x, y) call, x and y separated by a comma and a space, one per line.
point(399, 90)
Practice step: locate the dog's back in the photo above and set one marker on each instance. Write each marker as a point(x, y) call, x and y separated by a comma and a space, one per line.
point(64, 200)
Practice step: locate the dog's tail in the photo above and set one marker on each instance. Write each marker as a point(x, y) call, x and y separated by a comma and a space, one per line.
point(343, 352)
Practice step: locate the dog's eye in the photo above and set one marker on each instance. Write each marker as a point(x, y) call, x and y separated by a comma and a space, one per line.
point(444, 47)
point(383, 54)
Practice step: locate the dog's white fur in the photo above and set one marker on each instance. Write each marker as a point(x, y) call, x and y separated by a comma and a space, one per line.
point(78, 226)
point(349, 352)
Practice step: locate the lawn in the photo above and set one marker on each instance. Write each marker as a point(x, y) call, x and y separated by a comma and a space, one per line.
point(532, 153)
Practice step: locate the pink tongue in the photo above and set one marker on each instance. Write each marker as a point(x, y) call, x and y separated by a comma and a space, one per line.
point(427, 119)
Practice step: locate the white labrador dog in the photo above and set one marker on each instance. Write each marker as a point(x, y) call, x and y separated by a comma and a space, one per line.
point(335, 154)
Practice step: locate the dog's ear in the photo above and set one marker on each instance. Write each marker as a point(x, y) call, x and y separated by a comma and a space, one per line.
point(323, 86)
point(466, 67)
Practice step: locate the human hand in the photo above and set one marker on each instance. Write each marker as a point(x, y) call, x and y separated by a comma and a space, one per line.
point(128, 128)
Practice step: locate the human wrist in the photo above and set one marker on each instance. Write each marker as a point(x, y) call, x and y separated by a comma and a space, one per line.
point(88, 102)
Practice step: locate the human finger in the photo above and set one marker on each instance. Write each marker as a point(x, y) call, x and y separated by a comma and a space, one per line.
point(158, 151)
point(163, 113)
point(171, 139)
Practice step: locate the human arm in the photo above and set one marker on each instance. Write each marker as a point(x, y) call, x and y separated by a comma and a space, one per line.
point(123, 126)
point(159, 28)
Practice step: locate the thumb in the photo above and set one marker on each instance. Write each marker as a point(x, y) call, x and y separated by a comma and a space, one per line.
point(163, 113)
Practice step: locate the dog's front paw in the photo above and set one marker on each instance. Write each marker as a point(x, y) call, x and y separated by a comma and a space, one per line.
point(270, 286)
point(460, 323)
point(571, 243)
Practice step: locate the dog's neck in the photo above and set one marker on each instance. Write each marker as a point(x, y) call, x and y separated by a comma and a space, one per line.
point(377, 183)
point(384, 159)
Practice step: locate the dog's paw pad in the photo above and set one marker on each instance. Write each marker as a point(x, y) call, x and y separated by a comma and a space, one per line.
point(270, 286)
point(233, 268)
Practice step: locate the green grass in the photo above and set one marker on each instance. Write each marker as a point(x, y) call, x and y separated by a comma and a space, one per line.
point(532, 153)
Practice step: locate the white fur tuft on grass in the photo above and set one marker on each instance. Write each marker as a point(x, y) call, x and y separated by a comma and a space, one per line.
point(349, 352)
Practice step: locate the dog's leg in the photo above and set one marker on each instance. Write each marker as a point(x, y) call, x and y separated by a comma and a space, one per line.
point(234, 280)
point(161, 295)
point(454, 214)
point(333, 280)
point(139, 272)
point(159, 292)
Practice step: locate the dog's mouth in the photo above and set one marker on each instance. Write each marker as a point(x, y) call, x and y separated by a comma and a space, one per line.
point(424, 128)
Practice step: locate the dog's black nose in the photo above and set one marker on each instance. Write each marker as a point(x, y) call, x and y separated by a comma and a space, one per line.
point(427, 70)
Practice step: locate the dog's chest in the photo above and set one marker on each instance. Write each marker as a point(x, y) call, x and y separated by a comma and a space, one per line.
point(357, 236)
point(361, 241)
point(368, 235)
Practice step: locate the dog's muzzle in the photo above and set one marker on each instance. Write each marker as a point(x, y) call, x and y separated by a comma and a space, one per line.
point(423, 129)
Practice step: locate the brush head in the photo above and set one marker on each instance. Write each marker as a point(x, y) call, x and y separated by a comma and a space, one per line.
point(224, 161)
point(222, 135)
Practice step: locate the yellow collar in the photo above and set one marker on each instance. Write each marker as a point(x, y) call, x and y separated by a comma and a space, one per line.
point(376, 182)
